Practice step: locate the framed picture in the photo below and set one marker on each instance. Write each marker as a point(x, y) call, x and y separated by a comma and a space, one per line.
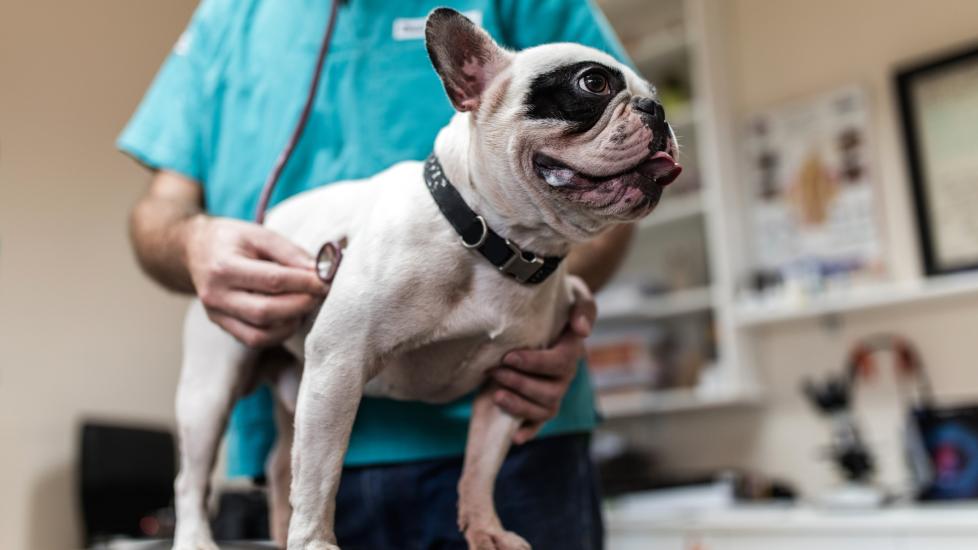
point(939, 108)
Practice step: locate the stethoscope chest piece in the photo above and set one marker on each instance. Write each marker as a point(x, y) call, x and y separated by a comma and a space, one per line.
point(328, 261)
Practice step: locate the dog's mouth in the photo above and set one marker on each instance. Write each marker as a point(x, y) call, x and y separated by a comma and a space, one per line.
point(635, 189)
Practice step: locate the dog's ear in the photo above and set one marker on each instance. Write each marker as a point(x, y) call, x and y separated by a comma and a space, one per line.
point(465, 56)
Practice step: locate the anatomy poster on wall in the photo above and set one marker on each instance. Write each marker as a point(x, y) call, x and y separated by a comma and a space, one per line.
point(813, 204)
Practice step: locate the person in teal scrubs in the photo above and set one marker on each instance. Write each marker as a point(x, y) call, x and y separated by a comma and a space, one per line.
point(210, 128)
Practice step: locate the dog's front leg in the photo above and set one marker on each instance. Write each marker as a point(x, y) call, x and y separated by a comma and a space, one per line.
point(490, 432)
point(332, 385)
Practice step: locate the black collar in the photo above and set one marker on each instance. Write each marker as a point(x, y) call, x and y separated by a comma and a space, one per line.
point(523, 266)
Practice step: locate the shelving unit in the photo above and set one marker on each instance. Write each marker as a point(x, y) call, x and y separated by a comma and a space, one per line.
point(631, 404)
point(878, 296)
point(677, 281)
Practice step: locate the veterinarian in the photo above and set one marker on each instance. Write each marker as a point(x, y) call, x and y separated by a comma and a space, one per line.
point(210, 128)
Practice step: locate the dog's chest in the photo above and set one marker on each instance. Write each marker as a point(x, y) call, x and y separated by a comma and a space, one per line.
point(493, 320)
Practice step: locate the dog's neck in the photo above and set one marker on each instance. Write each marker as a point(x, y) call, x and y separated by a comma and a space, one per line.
point(494, 200)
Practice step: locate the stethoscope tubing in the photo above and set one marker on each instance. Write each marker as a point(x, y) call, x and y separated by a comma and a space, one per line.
point(330, 254)
point(283, 158)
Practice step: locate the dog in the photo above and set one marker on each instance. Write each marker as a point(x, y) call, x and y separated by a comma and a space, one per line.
point(448, 265)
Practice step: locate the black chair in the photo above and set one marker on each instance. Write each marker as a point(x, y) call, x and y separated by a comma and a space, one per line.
point(126, 480)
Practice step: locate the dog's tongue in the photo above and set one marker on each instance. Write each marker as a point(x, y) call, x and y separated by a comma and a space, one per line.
point(662, 169)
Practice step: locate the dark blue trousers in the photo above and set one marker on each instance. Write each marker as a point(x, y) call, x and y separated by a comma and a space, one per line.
point(546, 492)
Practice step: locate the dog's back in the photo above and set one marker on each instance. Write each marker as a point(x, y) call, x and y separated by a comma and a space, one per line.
point(338, 210)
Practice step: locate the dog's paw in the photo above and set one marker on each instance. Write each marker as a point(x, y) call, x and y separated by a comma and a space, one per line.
point(494, 539)
point(197, 543)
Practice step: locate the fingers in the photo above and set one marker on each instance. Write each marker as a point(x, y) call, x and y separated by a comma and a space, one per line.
point(270, 278)
point(527, 431)
point(272, 246)
point(558, 361)
point(262, 310)
point(546, 392)
point(251, 336)
point(519, 407)
point(254, 283)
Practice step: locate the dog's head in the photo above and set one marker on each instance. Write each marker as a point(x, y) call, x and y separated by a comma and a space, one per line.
point(563, 128)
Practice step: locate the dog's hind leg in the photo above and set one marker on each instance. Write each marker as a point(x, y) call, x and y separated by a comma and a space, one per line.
point(490, 433)
point(214, 368)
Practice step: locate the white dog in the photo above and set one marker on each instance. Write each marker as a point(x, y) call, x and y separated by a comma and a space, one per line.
point(550, 146)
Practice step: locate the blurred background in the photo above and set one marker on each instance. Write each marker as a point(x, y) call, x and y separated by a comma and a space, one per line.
point(831, 183)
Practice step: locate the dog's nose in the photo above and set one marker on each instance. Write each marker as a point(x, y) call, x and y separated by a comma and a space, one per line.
point(650, 106)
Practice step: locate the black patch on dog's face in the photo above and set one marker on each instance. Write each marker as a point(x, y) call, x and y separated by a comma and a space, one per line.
point(559, 95)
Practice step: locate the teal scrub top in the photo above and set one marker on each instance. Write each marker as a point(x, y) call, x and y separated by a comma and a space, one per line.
point(227, 98)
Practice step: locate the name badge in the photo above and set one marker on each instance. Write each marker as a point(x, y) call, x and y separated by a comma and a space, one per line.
point(412, 28)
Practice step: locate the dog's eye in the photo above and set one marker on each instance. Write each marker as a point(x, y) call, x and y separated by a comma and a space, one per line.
point(595, 83)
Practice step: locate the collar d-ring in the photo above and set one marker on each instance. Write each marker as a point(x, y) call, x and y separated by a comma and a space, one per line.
point(482, 237)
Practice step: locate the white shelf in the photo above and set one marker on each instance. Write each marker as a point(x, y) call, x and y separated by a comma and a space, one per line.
point(855, 299)
point(673, 209)
point(679, 302)
point(637, 403)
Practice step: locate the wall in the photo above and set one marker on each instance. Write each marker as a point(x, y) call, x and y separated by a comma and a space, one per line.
point(82, 333)
point(782, 50)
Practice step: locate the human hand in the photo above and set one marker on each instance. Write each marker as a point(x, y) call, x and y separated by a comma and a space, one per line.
point(532, 383)
point(254, 283)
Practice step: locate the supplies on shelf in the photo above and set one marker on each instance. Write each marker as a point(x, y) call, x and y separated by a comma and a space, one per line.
point(623, 360)
point(656, 354)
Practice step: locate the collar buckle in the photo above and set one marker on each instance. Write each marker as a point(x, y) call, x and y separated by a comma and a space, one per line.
point(519, 266)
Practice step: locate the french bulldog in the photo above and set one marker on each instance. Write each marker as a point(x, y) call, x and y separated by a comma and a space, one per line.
point(550, 146)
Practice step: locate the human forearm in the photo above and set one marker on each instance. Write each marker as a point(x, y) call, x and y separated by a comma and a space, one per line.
point(597, 260)
point(160, 226)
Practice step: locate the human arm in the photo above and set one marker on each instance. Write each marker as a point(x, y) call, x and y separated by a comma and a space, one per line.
point(254, 283)
point(597, 260)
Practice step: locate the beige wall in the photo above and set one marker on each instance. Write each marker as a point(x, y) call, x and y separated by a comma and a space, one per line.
point(781, 50)
point(82, 332)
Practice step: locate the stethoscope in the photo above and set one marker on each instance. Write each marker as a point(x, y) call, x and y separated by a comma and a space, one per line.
point(331, 253)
